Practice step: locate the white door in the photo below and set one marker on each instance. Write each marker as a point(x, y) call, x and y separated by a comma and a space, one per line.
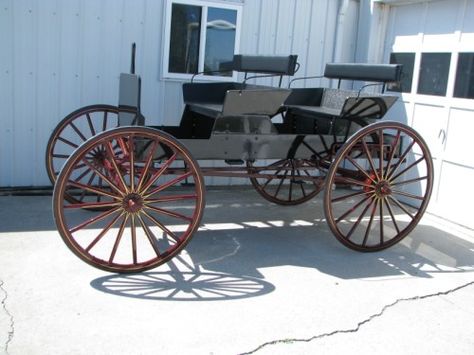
point(436, 42)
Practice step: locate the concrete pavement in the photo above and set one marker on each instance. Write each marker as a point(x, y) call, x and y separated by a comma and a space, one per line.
point(257, 278)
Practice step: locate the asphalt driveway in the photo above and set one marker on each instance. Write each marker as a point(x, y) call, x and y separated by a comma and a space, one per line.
point(257, 278)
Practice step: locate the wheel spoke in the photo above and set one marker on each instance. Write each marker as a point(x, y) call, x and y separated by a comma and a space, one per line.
point(79, 133)
point(360, 169)
point(400, 160)
point(118, 239)
point(91, 126)
point(301, 184)
point(358, 193)
point(110, 154)
point(104, 121)
point(101, 185)
point(281, 183)
point(103, 177)
point(134, 238)
point(151, 237)
point(381, 141)
point(387, 203)
point(103, 232)
point(93, 220)
point(392, 153)
point(68, 142)
point(92, 189)
point(160, 172)
point(87, 171)
point(290, 190)
point(394, 200)
point(352, 209)
point(171, 198)
point(161, 226)
point(168, 213)
point(89, 183)
point(407, 168)
point(353, 182)
point(409, 181)
point(359, 219)
point(60, 156)
point(92, 205)
point(406, 194)
point(147, 166)
point(369, 227)
point(169, 184)
point(132, 162)
point(369, 158)
point(276, 173)
point(381, 220)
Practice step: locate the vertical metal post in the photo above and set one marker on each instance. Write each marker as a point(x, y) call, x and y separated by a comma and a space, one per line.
point(132, 67)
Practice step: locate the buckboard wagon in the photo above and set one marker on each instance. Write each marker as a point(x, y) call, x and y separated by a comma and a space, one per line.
point(129, 197)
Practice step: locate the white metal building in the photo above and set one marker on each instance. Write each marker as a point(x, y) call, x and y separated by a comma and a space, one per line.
point(59, 55)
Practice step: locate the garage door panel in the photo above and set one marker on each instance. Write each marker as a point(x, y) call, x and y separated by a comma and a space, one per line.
point(438, 29)
point(459, 145)
point(467, 35)
point(428, 120)
point(406, 26)
point(456, 193)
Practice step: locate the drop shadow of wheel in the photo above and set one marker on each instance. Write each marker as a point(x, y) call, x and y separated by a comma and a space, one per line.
point(177, 285)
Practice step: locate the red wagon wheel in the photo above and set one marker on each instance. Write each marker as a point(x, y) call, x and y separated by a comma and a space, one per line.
point(150, 217)
point(288, 181)
point(293, 181)
point(385, 176)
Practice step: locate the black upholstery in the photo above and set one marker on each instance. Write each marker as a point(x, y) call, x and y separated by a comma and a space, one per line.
point(364, 72)
point(282, 65)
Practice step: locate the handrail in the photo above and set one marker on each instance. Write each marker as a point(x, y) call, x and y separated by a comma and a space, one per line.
point(367, 85)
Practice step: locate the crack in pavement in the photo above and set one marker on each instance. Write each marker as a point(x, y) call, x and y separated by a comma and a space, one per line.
point(11, 332)
point(360, 324)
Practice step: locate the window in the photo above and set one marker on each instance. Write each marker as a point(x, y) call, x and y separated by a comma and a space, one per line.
point(408, 62)
point(434, 71)
point(200, 37)
point(464, 85)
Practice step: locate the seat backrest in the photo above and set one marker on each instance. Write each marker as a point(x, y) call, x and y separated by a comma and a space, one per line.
point(382, 73)
point(278, 65)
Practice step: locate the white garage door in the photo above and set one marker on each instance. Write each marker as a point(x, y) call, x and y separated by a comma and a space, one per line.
point(435, 42)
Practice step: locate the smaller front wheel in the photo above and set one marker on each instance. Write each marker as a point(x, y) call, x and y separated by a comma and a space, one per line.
point(135, 215)
point(384, 179)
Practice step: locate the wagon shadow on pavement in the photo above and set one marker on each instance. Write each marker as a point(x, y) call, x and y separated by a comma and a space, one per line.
point(226, 261)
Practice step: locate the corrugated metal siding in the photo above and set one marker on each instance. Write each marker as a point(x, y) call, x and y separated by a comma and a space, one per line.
point(59, 55)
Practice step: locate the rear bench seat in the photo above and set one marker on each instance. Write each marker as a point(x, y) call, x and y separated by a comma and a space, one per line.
point(335, 102)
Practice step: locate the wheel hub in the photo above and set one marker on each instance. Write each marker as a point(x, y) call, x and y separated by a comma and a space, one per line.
point(132, 203)
point(383, 189)
point(99, 158)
